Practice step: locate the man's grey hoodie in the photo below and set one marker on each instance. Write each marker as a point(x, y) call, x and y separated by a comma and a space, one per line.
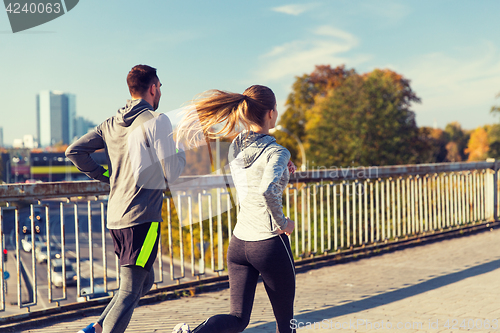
point(260, 173)
point(142, 159)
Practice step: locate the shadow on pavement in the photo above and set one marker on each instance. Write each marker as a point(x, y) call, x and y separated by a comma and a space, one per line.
point(386, 298)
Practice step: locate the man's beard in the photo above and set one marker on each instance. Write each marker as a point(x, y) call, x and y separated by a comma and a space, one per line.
point(156, 102)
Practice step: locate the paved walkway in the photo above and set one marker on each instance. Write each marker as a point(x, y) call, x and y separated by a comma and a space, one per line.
point(448, 286)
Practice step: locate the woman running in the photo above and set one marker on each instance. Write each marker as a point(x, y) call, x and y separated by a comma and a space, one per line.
point(260, 168)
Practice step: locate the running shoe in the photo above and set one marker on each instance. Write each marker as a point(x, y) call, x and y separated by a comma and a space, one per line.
point(181, 328)
point(88, 329)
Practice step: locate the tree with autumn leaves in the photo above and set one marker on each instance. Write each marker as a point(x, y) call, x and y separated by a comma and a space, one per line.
point(478, 146)
point(305, 91)
point(344, 118)
point(484, 143)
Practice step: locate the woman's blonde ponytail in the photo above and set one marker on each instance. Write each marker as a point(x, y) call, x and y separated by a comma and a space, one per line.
point(232, 110)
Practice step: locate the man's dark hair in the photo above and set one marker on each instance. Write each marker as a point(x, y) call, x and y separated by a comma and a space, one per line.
point(140, 78)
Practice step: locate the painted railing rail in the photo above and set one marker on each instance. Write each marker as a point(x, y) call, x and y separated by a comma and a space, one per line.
point(335, 210)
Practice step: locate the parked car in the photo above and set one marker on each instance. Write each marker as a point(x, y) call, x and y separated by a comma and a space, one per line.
point(57, 273)
point(41, 253)
point(26, 242)
point(38, 215)
point(87, 296)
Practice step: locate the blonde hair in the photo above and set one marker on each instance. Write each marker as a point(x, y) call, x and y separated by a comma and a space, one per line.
point(221, 107)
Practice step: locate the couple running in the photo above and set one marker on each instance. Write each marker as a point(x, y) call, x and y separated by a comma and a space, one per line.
point(140, 147)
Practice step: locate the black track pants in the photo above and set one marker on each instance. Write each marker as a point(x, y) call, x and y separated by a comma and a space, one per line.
point(135, 283)
point(272, 258)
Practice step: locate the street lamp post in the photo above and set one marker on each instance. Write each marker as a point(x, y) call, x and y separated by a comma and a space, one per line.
point(15, 159)
point(301, 146)
point(9, 167)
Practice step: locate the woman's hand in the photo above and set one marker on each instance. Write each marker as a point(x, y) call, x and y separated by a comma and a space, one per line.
point(289, 227)
point(291, 167)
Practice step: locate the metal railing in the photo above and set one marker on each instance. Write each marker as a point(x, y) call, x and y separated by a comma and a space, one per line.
point(335, 210)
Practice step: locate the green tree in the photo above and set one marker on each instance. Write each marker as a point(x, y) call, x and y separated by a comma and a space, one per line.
point(460, 138)
point(494, 151)
point(452, 152)
point(493, 132)
point(436, 140)
point(306, 89)
point(362, 119)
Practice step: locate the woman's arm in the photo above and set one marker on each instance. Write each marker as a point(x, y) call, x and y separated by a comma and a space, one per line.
point(270, 185)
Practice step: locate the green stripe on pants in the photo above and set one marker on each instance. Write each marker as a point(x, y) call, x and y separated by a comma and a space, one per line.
point(148, 245)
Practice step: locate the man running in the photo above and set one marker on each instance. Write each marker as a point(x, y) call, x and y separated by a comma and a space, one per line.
point(142, 159)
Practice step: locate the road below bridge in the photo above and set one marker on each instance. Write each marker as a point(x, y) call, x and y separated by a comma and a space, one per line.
point(436, 287)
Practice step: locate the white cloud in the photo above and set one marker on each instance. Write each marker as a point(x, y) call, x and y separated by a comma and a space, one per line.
point(326, 46)
point(294, 9)
point(330, 31)
point(390, 12)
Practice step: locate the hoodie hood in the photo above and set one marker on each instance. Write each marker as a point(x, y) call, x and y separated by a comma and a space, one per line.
point(126, 115)
point(247, 147)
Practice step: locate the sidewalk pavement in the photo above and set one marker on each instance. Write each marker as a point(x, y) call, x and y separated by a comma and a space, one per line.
point(448, 286)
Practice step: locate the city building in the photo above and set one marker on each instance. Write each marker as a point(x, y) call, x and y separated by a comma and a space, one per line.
point(18, 144)
point(29, 141)
point(20, 165)
point(55, 117)
point(1, 137)
point(82, 126)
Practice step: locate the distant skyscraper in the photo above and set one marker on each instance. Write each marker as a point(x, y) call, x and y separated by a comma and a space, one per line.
point(72, 115)
point(1, 136)
point(55, 117)
point(82, 126)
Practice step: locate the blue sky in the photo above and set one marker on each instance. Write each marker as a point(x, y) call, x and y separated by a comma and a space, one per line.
point(450, 50)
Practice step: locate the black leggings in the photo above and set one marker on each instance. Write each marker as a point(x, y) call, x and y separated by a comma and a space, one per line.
point(272, 258)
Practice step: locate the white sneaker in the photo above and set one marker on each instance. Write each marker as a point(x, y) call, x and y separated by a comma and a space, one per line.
point(181, 328)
